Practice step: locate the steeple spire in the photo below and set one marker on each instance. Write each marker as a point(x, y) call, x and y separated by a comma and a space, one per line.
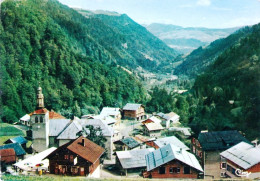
point(40, 98)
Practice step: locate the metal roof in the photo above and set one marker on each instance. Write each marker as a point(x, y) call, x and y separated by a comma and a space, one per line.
point(220, 140)
point(70, 132)
point(155, 119)
point(160, 142)
point(57, 125)
point(130, 142)
point(153, 126)
point(108, 111)
point(16, 146)
point(132, 107)
point(243, 154)
point(170, 116)
point(168, 153)
point(26, 117)
point(133, 158)
point(18, 139)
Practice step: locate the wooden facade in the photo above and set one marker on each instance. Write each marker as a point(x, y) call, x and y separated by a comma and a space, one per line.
point(173, 169)
point(135, 114)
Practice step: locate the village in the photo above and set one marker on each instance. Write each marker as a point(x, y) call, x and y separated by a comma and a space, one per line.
point(136, 145)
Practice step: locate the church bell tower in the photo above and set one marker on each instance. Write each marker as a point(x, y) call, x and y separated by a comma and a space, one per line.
point(40, 98)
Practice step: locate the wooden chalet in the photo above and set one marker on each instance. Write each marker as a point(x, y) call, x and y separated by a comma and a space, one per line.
point(134, 111)
point(80, 157)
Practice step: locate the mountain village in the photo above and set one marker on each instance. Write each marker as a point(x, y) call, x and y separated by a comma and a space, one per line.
point(137, 145)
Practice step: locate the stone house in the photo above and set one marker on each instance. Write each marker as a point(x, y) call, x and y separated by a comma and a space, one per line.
point(172, 162)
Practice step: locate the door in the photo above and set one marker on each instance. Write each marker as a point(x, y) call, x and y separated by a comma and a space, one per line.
point(82, 171)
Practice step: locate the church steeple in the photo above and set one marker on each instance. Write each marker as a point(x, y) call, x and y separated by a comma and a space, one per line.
point(40, 98)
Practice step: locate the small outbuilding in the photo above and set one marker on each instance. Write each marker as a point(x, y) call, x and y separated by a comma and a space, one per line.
point(126, 144)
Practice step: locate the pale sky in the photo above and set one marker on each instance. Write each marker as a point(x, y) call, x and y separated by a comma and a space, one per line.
point(186, 13)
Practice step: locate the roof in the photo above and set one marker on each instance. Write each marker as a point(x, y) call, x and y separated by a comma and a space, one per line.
point(154, 119)
point(57, 126)
point(185, 131)
point(168, 153)
point(106, 130)
point(16, 146)
point(110, 111)
point(130, 142)
point(132, 107)
point(160, 142)
point(153, 126)
point(90, 152)
point(52, 114)
point(27, 163)
point(106, 119)
point(170, 116)
point(26, 117)
point(18, 139)
point(220, 140)
point(70, 132)
point(133, 158)
point(243, 154)
point(39, 111)
point(7, 155)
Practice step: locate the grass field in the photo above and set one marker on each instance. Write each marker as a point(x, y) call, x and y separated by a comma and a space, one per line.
point(9, 131)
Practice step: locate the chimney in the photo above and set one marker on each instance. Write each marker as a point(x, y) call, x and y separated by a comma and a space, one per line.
point(83, 142)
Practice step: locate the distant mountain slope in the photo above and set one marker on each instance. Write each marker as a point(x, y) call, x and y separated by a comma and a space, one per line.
point(128, 42)
point(187, 39)
point(229, 90)
point(48, 43)
point(196, 62)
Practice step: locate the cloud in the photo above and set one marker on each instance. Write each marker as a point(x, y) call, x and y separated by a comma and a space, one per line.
point(203, 2)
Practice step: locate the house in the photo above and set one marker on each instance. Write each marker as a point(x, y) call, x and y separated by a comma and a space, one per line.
point(209, 145)
point(126, 144)
point(110, 111)
point(161, 142)
point(167, 119)
point(30, 164)
point(7, 157)
point(132, 160)
point(186, 132)
point(239, 159)
point(19, 139)
point(171, 162)
point(19, 151)
point(79, 157)
point(152, 129)
point(133, 111)
point(25, 120)
point(152, 119)
point(110, 121)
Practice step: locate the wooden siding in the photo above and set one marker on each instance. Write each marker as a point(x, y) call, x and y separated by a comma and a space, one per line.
point(134, 114)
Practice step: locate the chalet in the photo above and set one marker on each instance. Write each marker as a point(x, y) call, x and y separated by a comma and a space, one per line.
point(132, 161)
point(80, 157)
point(19, 151)
point(161, 142)
point(167, 119)
point(209, 145)
point(133, 111)
point(7, 157)
point(239, 159)
point(126, 144)
point(110, 111)
point(152, 129)
point(171, 162)
point(19, 139)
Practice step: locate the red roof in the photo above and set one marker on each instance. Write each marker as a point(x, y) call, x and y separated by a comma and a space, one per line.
point(52, 114)
point(8, 155)
point(90, 151)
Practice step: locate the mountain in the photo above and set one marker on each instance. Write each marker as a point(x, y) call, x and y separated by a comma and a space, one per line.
point(228, 91)
point(187, 39)
point(198, 60)
point(76, 60)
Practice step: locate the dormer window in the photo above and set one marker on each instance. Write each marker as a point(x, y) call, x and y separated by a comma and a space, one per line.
point(36, 119)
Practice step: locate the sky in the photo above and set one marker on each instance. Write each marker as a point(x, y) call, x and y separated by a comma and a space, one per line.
point(186, 13)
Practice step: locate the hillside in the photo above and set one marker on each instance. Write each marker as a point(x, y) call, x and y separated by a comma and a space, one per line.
point(186, 40)
point(198, 60)
point(47, 43)
point(228, 91)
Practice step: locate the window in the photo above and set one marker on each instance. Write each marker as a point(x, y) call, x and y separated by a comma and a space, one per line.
point(223, 165)
point(36, 119)
point(41, 119)
point(161, 170)
point(223, 174)
point(66, 157)
point(187, 170)
point(174, 170)
point(71, 158)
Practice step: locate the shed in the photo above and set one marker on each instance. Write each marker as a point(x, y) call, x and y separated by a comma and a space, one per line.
point(19, 151)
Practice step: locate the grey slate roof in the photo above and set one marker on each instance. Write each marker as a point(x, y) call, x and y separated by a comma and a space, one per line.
point(168, 153)
point(108, 111)
point(130, 142)
point(160, 142)
point(16, 146)
point(132, 107)
point(220, 140)
point(18, 139)
point(133, 158)
point(70, 131)
point(243, 154)
point(106, 130)
point(57, 125)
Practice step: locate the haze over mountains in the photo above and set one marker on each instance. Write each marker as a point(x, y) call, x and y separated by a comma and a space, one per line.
point(187, 39)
